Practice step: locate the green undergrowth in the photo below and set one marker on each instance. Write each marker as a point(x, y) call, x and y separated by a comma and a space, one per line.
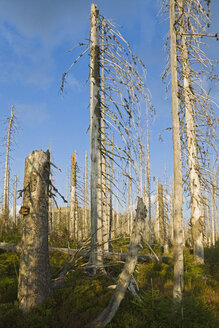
point(84, 296)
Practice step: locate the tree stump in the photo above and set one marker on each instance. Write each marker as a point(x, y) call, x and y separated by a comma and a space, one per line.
point(34, 283)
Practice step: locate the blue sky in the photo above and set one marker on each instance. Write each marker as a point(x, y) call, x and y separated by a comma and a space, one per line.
point(34, 39)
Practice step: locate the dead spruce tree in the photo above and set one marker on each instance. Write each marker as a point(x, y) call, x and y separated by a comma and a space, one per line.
point(73, 222)
point(198, 116)
point(34, 284)
point(178, 221)
point(5, 205)
point(116, 93)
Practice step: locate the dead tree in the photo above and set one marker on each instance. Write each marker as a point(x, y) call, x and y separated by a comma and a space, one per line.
point(95, 136)
point(15, 200)
point(73, 226)
point(122, 90)
point(5, 205)
point(34, 284)
point(124, 278)
point(178, 222)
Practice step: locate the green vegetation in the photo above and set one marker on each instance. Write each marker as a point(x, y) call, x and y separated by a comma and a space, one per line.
point(84, 296)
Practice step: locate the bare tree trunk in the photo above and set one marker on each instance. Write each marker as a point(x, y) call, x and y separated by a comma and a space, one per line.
point(73, 200)
point(215, 205)
point(131, 201)
point(195, 186)
point(103, 139)
point(5, 205)
point(15, 200)
point(85, 199)
point(118, 230)
point(157, 222)
point(124, 279)
point(148, 179)
point(111, 197)
point(166, 228)
point(212, 218)
point(34, 283)
point(178, 223)
point(50, 199)
point(95, 135)
point(67, 209)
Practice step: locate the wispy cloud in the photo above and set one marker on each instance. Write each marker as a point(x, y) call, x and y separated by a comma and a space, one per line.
point(30, 114)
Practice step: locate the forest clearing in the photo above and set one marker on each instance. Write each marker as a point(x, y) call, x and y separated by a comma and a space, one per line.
point(113, 245)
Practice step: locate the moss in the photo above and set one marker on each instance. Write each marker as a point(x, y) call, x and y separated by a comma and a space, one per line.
point(83, 297)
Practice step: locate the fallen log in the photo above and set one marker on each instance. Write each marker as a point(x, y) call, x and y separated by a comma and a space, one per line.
point(86, 253)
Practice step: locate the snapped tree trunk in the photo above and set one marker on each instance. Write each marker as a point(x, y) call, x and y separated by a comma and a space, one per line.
point(124, 279)
point(34, 284)
point(178, 223)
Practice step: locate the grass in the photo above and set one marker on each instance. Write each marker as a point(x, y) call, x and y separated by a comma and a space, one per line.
point(83, 297)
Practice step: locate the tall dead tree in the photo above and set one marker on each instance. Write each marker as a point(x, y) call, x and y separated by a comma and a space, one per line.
point(195, 185)
point(178, 222)
point(5, 205)
point(34, 284)
point(95, 136)
point(148, 175)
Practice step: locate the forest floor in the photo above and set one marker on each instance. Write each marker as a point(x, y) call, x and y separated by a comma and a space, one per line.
point(84, 296)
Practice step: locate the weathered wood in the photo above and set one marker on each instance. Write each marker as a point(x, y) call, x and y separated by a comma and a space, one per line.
point(34, 284)
point(193, 172)
point(124, 279)
point(15, 199)
point(73, 226)
point(86, 253)
point(95, 135)
point(178, 223)
point(5, 205)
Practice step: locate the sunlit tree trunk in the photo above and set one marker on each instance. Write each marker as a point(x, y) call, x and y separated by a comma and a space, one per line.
point(195, 186)
point(15, 200)
point(5, 205)
point(34, 283)
point(73, 200)
point(178, 222)
point(95, 136)
point(148, 178)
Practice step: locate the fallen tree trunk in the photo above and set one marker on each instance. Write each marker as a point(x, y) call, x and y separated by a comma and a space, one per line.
point(124, 279)
point(86, 253)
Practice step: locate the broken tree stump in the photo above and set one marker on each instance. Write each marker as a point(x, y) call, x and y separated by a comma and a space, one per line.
point(34, 283)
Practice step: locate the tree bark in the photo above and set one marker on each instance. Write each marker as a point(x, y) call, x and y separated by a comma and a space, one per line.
point(15, 200)
point(95, 135)
point(195, 186)
point(34, 284)
point(73, 200)
point(178, 223)
point(5, 205)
